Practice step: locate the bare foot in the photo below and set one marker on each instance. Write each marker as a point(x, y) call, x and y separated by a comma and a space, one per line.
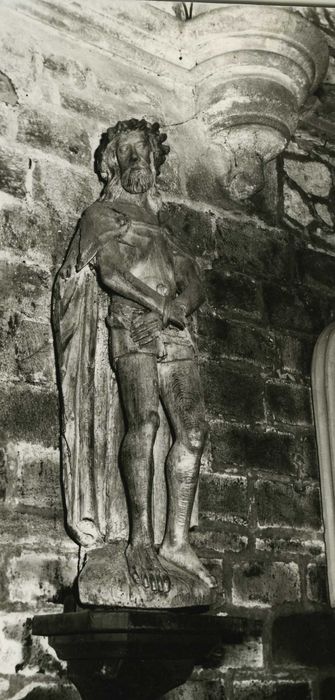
point(146, 569)
point(184, 556)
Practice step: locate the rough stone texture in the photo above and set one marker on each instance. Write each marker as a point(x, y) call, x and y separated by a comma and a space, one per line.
point(269, 270)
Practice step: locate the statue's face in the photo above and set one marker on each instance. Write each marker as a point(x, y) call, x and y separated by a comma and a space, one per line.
point(133, 154)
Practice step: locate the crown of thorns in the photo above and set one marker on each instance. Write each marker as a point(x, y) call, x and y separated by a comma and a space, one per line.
point(156, 139)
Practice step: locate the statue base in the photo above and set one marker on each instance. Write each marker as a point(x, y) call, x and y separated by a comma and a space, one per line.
point(137, 654)
point(105, 581)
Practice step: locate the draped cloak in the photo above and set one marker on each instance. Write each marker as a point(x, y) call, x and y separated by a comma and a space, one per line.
point(91, 416)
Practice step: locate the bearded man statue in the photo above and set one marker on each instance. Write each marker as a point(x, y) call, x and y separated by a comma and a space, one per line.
point(132, 409)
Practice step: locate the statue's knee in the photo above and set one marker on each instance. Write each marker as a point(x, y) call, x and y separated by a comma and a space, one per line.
point(149, 422)
point(196, 435)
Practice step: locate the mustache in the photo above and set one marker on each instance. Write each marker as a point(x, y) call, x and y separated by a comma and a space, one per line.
point(137, 179)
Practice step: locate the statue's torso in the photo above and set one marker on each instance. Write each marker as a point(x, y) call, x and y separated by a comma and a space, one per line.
point(144, 251)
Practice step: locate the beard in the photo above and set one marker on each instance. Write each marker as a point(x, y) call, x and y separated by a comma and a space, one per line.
point(137, 179)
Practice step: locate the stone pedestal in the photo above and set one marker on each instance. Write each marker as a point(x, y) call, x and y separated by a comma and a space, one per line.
point(133, 653)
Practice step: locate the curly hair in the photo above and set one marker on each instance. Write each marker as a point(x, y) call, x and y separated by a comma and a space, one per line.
point(109, 137)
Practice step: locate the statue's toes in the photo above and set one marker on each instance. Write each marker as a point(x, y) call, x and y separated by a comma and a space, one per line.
point(153, 582)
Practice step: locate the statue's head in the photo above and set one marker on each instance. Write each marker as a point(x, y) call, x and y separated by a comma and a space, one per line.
point(131, 153)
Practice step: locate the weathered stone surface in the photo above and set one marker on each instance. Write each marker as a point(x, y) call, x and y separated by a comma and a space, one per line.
point(231, 394)
point(262, 584)
point(272, 689)
point(29, 414)
point(295, 207)
point(304, 639)
point(317, 269)
point(289, 403)
point(224, 497)
point(13, 171)
point(312, 176)
point(282, 504)
point(36, 577)
point(44, 131)
point(297, 309)
point(25, 287)
point(8, 94)
point(238, 294)
point(254, 251)
point(33, 476)
point(202, 690)
point(239, 447)
point(225, 338)
point(194, 231)
point(295, 354)
point(317, 589)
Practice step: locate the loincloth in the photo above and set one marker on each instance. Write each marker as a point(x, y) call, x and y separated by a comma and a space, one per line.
point(171, 344)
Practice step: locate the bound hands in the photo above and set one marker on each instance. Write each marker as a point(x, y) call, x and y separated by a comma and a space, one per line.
point(149, 326)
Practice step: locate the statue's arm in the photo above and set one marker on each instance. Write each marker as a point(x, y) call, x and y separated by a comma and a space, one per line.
point(117, 278)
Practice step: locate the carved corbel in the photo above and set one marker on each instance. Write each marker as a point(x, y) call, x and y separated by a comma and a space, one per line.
point(254, 76)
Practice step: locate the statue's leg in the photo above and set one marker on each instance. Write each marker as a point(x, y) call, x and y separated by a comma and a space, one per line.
point(181, 393)
point(138, 385)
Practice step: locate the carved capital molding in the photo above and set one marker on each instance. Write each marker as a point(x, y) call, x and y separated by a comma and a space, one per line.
point(256, 70)
point(242, 73)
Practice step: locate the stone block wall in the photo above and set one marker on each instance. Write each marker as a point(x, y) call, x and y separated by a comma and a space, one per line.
point(270, 292)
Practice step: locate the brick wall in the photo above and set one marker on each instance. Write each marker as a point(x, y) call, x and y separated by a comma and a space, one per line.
point(270, 292)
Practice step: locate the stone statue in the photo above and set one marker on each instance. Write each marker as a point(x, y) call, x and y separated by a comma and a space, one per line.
point(123, 271)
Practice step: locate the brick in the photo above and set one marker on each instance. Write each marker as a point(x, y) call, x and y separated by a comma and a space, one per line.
point(190, 229)
point(35, 577)
point(27, 349)
point(237, 294)
point(247, 654)
point(41, 229)
point(31, 527)
point(317, 588)
point(34, 351)
point(92, 109)
point(296, 207)
point(287, 505)
point(65, 67)
point(211, 543)
point(317, 269)
point(225, 497)
point(51, 185)
point(288, 403)
point(236, 446)
point(312, 176)
point(304, 639)
point(265, 253)
point(33, 476)
point(55, 133)
point(202, 690)
point(281, 544)
point(297, 309)
point(13, 171)
point(231, 394)
point(225, 338)
point(265, 584)
point(271, 690)
point(26, 288)
point(295, 354)
point(29, 414)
